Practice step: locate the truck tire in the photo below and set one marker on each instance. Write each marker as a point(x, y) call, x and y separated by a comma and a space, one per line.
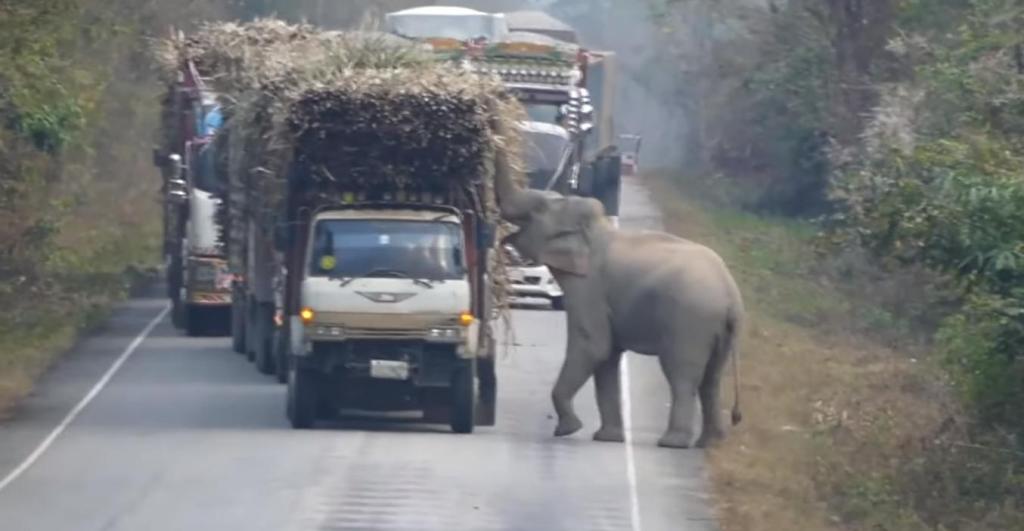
point(463, 399)
point(178, 313)
point(281, 354)
point(251, 318)
point(264, 336)
point(487, 389)
point(303, 398)
point(174, 271)
point(237, 321)
point(195, 324)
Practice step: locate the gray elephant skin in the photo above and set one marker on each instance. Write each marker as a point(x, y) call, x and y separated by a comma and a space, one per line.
point(642, 291)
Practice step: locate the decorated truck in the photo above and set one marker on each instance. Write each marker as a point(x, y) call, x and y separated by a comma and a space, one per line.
point(360, 219)
point(198, 283)
point(568, 94)
point(555, 79)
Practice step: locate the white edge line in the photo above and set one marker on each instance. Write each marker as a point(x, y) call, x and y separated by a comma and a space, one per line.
point(627, 426)
point(45, 445)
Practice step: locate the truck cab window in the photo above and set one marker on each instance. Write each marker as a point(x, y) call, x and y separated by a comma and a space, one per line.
point(427, 250)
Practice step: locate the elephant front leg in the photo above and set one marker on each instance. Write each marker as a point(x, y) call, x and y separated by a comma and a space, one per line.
point(575, 371)
point(607, 386)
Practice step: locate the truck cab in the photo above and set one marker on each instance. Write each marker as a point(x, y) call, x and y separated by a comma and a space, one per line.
point(389, 321)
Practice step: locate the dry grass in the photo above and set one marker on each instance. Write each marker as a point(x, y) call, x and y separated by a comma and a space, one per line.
point(828, 407)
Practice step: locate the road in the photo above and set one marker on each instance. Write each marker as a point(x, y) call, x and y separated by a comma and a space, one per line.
point(185, 435)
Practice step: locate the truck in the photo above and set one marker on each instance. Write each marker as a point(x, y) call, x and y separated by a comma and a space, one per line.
point(360, 249)
point(567, 92)
point(556, 80)
point(198, 283)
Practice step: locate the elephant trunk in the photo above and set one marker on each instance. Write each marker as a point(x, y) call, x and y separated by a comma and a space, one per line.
point(513, 201)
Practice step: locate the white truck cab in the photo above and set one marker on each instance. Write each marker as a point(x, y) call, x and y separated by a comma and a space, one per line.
point(387, 318)
point(374, 274)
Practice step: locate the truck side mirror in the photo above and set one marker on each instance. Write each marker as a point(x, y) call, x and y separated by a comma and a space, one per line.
point(281, 239)
point(159, 159)
point(177, 188)
point(608, 182)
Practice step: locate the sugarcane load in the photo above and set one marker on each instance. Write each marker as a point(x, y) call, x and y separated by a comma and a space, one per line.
point(359, 216)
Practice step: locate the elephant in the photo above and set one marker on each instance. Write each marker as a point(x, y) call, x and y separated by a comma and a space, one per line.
point(647, 292)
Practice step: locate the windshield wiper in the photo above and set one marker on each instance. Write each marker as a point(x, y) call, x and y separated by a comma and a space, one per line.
point(384, 271)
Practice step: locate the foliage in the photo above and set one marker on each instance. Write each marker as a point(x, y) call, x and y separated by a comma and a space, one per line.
point(938, 181)
point(903, 121)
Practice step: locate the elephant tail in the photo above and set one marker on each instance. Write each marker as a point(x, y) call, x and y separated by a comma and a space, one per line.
point(729, 349)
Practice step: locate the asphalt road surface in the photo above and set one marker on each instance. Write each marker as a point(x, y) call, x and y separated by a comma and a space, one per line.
point(140, 428)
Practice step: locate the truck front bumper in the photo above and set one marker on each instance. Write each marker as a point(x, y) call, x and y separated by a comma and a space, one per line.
point(204, 298)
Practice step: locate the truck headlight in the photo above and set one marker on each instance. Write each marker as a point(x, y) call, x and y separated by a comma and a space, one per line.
point(444, 335)
point(336, 332)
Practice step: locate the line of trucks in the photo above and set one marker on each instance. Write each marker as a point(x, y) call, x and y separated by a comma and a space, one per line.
point(406, 325)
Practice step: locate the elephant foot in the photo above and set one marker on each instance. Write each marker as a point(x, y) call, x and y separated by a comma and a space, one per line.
point(675, 439)
point(610, 435)
point(568, 427)
point(709, 438)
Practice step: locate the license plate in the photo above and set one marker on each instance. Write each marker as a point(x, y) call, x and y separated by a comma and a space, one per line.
point(389, 370)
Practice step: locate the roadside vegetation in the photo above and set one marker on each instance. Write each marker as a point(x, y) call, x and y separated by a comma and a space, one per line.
point(863, 162)
point(79, 197)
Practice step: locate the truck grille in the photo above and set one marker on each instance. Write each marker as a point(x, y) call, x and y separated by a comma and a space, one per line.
point(384, 333)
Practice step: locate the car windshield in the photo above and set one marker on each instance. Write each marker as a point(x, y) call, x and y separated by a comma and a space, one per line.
point(416, 249)
point(543, 152)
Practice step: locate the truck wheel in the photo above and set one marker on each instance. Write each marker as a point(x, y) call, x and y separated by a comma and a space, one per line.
point(462, 396)
point(251, 329)
point(302, 398)
point(178, 313)
point(558, 304)
point(237, 322)
point(264, 336)
point(487, 394)
point(195, 325)
point(281, 355)
point(173, 276)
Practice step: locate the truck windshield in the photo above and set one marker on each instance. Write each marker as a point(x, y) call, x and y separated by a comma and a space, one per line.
point(542, 112)
point(359, 247)
point(205, 173)
point(544, 148)
point(456, 26)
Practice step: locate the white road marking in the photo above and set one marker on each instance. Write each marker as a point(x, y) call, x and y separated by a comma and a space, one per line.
point(627, 425)
point(45, 445)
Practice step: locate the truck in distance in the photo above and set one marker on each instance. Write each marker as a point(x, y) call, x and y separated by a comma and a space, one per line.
point(198, 282)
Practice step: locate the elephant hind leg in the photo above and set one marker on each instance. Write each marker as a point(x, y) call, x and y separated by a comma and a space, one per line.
point(683, 369)
point(710, 396)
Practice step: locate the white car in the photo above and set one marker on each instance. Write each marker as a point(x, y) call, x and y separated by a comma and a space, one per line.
point(532, 281)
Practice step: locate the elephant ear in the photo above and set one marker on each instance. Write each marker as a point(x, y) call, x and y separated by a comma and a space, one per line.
point(568, 247)
point(568, 251)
